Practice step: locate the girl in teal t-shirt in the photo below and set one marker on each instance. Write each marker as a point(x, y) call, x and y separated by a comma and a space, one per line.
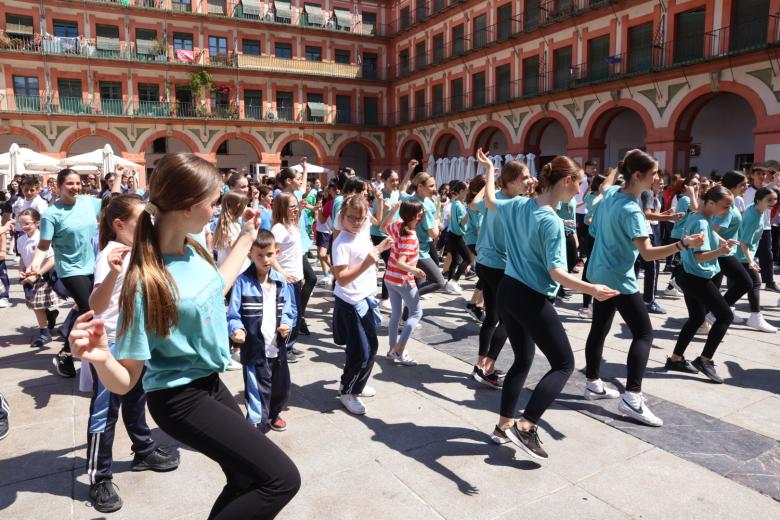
point(456, 245)
point(695, 278)
point(172, 322)
point(535, 267)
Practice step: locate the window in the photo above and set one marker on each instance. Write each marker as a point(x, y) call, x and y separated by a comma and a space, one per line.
point(26, 93)
point(184, 105)
point(250, 47)
point(437, 105)
point(342, 56)
point(181, 5)
point(562, 64)
point(182, 41)
point(479, 29)
point(749, 24)
point(66, 29)
point(343, 110)
point(456, 93)
point(598, 58)
point(148, 92)
point(403, 109)
point(503, 83)
point(253, 104)
point(111, 97)
point(315, 108)
point(404, 18)
point(421, 11)
point(403, 62)
point(370, 111)
point(457, 40)
point(531, 76)
point(19, 26)
point(504, 17)
point(689, 36)
point(640, 47)
point(313, 53)
point(419, 105)
point(478, 89)
point(216, 7)
point(420, 58)
point(369, 23)
point(313, 15)
point(438, 48)
point(283, 50)
point(107, 39)
point(438, 5)
point(284, 106)
point(531, 13)
point(370, 61)
point(218, 50)
point(146, 42)
point(343, 19)
point(69, 88)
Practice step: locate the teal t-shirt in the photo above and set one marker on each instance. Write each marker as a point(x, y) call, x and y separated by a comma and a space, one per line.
point(683, 206)
point(697, 223)
point(389, 200)
point(70, 230)
point(457, 212)
point(198, 346)
point(491, 244)
point(473, 225)
point(566, 212)
point(728, 226)
point(535, 243)
point(427, 223)
point(616, 224)
point(303, 226)
point(589, 198)
point(750, 233)
point(337, 203)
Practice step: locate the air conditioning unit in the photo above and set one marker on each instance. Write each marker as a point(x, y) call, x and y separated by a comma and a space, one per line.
point(271, 115)
point(257, 170)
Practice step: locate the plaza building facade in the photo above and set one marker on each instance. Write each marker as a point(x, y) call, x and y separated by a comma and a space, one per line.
point(372, 84)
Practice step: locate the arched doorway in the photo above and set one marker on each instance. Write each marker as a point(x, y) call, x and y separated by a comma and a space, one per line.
point(412, 150)
point(356, 156)
point(447, 146)
point(720, 129)
point(547, 139)
point(293, 151)
point(236, 154)
point(492, 140)
point(90, 143)
point(616, 131)
point(6, 140)
point(159, 147)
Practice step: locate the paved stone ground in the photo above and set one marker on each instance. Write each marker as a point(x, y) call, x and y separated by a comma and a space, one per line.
point(422, 450)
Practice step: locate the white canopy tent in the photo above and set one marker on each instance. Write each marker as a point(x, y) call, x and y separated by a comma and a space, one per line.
point(465, 168)
point(20, 160)
point(310, 168)
point(103, 159)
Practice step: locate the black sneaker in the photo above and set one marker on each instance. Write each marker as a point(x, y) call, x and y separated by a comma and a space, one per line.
point(470, 275)
point(479, 313)
point(499, 436)
point(499, 373)
point(772, 287)
point(708, 369)
point(158, 460)
point(51, 318)
point(303, 328)
point(529, 441)
point(3, 427)
point(295, 350)
point(292, 357)
point(490, 380)
point(681, 366)
point(471, 310)
point(63, 363)
point(104, 496)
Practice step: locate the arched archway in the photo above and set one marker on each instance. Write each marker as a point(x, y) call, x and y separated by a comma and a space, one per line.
point(292, 148)
point(546, 138)
point(412, 149)
point(447, 144)
point(158, 146)
point(23, 138)
point(357, 156)
point(235, 153)
point(493, 139)
point(85, 140)
point(615, 131)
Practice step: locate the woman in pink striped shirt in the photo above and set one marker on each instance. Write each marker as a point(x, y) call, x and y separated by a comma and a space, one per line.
point(399, 277)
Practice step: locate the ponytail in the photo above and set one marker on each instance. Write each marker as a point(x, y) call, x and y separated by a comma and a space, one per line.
point(118, 207)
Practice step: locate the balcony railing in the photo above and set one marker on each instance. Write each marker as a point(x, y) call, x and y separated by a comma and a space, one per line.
point(316, 68)
point(153, 109)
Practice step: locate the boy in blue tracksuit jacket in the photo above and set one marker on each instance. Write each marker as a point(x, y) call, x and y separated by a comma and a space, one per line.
point(261, 314)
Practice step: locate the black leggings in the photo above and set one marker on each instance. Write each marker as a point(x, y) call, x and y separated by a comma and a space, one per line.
point(385, 255)
point(651, 267)
point(79, 287)
point(587, 299)
point(461, 256)
point(261, 479)
point(309, 281)
point(702, 295)
point(530, 318)
point(492, 333)
point(764, 255)
point(634, 312)
point(473, 264)
point(571, 251)
point(739, 279)
point(754, 294)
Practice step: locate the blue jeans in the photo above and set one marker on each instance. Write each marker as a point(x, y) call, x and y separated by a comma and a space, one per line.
point(5, 283)
point(401, 295)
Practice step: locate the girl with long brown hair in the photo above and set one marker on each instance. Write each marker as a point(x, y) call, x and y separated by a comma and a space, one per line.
point(172, 323)
point(228, 226)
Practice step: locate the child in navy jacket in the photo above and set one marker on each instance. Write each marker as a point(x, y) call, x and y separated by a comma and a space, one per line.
point(261, 315)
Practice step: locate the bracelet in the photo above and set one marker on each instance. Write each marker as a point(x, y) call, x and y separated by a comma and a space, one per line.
point(680, 245)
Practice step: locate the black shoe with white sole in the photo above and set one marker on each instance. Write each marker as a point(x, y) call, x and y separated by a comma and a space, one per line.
point(528, 441)
point(680, 366)
point(104, 497)
point(490, 380)
point(708, 369)
point(499, 436)
point(63, 363)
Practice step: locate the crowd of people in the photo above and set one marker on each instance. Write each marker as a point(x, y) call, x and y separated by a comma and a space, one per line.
point(204, 272)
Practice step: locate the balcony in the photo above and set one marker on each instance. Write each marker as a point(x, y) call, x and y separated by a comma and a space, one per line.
point(314, 68)
point(153, 109)
point(111, 107)
point(71, 106)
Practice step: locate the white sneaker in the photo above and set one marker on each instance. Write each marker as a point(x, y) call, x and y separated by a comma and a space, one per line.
point(639, 410)
point(425, 297)
point(4, 303)
point(353, 404)
point(402, 358)
point(386, 305)
point(326, 280)
point(757, 321)
point(641, 275)
point(672, 292)
point(452, 287)
point(236, 356)
point(585, 313)
point(704, 329)
point(738, 320)
point(595, 390)
point(710, 318)
point(234, 365)
point(368, 391)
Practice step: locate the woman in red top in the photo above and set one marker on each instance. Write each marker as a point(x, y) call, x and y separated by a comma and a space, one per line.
point(399, 277)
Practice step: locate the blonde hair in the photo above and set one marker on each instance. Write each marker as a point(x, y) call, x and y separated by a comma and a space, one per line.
point(233, 206)
point(355, 202)
point(179, 181)
point(282, 203)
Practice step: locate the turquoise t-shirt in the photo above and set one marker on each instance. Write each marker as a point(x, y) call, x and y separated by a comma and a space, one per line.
point(750, 233)
point(196, 348)
point(728, 226)
point(697, 223)
point(303, 226)
point(616, 224)
point(588, 200)
point(535, 243)
point(427, 223)
point(491, 244)
point(473, 225)
point(683, 206)
point(70, 230)
point(457, 212)
point(566, 212)
point(389, 200)
point(337, 203)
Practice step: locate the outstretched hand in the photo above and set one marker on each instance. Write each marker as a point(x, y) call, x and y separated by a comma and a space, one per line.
point(251, 221)
point(88, 339)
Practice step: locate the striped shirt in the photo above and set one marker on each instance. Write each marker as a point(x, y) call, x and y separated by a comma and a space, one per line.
point(407, 246)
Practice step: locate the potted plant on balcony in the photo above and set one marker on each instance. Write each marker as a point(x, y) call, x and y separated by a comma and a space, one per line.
point(160, 50)
point(201, 84)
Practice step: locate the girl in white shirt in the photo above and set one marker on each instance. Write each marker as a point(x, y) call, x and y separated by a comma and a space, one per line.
point(228, 226)
point(289, 260)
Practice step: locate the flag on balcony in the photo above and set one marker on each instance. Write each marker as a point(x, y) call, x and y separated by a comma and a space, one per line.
point(185, 55)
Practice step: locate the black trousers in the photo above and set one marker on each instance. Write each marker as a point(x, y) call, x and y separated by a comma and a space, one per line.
point(358, 334)
point(309, 282)
point(385, 255)
point(461, 256)
point(266, 389)
point(571, 251)
point(582, 235)
point(492, 333)
point(261, 479)
point(740, 282)
point(764, 255)
point(702, 295)
point(79, 287)
point(652, 269)
point(634, 312)
point(531, 321)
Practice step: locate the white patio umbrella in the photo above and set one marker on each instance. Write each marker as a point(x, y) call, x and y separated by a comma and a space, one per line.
point(310, 168)
point(530, 161)
point(461, 172)
point(454, 161)
point(102, 158)
point(439, 171)
point(508, 157)
point(432, 166)
point(496, 161)
point(444, 171)
point(471, 168)
point(20, 160)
